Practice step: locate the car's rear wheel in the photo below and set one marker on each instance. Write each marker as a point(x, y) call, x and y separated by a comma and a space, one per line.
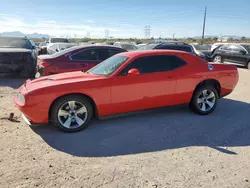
point(218, 59)
point(248, 65)
point(204, 100)
point(72, 113)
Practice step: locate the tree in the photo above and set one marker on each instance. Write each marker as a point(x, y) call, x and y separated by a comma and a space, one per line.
point(215, 38)
point(243, 38)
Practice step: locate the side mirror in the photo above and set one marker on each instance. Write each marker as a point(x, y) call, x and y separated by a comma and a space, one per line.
point(133, 72)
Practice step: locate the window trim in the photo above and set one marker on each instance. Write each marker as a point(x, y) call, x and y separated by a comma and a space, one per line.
point(132, 60)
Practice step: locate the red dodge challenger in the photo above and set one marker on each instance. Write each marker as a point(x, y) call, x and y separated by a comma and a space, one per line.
point(123, 83)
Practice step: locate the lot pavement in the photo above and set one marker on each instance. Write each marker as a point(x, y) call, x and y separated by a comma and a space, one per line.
point(170, 147)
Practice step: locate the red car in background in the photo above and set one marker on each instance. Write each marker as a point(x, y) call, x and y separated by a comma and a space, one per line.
point(123, 83)
point(78, 58)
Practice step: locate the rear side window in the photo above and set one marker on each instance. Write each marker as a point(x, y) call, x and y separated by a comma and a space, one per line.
point(157, 63)
point(106, 53)
point(86, 55)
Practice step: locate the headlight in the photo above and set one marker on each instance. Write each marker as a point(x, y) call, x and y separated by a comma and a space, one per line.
point(21, 98)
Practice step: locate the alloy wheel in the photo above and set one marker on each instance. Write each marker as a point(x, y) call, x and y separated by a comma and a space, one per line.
point(72, 114)
point(206, 100)
point(217, 59)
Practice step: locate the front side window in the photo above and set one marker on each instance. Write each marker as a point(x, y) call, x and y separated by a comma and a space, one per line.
point(247, 47)
point(86, 55)
point(157, 63)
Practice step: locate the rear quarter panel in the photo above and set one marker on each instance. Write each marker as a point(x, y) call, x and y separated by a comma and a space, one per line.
point(197, 71)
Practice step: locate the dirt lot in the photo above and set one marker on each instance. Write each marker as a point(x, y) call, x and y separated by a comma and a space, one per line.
point(164, 148)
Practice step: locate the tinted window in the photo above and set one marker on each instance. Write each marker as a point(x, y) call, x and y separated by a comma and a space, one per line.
point(86, 55)
point(159, 63)
point(54, 40)
point(234, 48)
point(247, 47)
point(175, 47)
point(106, 53)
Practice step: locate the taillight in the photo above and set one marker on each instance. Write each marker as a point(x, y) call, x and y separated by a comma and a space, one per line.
point(44, 64)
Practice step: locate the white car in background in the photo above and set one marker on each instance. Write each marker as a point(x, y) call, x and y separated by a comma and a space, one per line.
point(126, 45)
point(57, 47)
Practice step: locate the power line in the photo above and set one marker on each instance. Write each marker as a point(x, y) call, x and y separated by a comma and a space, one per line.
point(147, 30)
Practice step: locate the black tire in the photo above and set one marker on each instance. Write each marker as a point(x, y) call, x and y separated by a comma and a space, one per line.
point(196, 107)
point(248, 65)
point(218, 56)
point(61, 101)
point(27, 73)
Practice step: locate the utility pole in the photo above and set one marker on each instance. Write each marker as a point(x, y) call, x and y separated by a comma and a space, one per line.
point(173, 35)
point(204, 25)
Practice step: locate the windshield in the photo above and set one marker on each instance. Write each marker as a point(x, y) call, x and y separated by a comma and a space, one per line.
point(67, 50)
point(247, 47)
point(128, 46)
point(53, 40)
point(14, 43)
point(201, 47)
point(108, 66)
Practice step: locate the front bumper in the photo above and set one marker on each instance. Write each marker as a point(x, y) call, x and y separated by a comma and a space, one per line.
point(26, 119)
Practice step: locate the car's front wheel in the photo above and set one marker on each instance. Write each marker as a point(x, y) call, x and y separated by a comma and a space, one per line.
point(72, 113)
point(204, 100)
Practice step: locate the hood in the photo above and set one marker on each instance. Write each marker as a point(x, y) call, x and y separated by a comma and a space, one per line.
point(14, 50)
point(60, 79)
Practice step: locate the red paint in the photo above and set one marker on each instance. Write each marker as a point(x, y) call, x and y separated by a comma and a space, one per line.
point(117, 94)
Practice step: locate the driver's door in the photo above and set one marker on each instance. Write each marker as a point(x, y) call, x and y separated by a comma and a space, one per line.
point(153, 87)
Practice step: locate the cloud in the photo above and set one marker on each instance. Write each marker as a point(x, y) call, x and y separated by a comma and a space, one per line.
point(54, 28)
point(90, 21)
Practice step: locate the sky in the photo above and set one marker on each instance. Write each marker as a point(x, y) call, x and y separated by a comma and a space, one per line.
point(128, 18)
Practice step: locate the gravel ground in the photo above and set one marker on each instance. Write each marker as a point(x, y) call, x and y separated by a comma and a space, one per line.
point(169, 147)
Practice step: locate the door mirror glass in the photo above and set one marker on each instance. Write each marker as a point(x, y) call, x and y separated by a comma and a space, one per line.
point(133, 72)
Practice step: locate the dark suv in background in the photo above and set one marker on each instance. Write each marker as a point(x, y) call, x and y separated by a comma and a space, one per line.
point(238, 54)
point(172, 46)
point(17, 57)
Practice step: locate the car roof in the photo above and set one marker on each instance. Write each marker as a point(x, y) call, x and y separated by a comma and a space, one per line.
point(173, 44)
point(96, 45)
point(151, 52)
